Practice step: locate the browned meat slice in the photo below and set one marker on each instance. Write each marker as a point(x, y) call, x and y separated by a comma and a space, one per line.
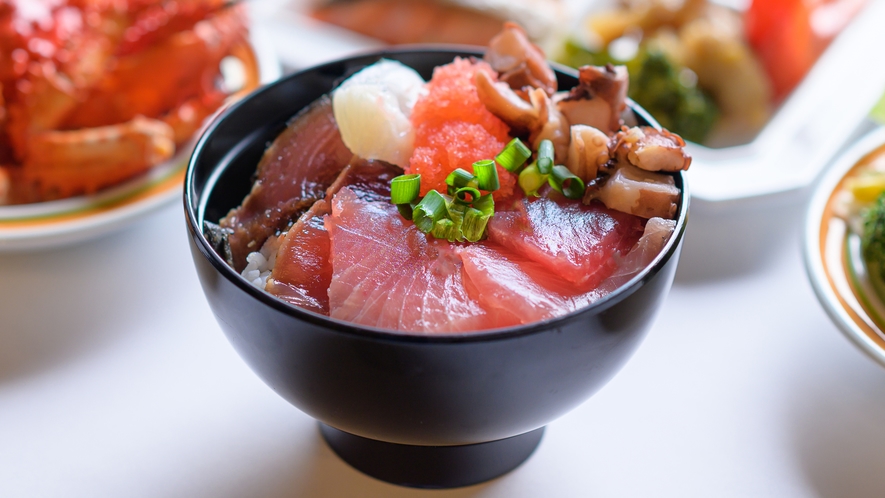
point(303, 272)
point(311, 146)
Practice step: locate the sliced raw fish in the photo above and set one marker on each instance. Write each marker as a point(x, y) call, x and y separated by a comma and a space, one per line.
point(311, 146)
point(519, 288)
point(302, 272)
point(386, 273)
point(574, 241)
point(657, 233)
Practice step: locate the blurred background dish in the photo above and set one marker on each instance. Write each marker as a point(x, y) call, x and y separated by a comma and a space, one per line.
point(773, 126)
point(98, 124)
point(844, 242)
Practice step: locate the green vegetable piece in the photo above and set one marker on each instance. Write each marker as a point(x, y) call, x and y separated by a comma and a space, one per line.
point(406, 210)
point(530, 180)
point(476, 218)
point(566, 182)
point(446, 229)
point(872, 243)
point(405, 188)
point(545, 157)
point(676, 102)
point(466, 195)
point(461, 178)
point(431, 209)
point(514, 155)
point(487, 175)
point(485, 204)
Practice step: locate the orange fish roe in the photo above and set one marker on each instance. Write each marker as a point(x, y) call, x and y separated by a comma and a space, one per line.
point(453, 129)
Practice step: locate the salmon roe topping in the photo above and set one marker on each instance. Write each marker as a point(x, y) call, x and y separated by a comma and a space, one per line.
point(453, 129)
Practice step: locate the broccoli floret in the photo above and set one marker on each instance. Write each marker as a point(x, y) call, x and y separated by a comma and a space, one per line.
point(873, 238)
point(655, 84)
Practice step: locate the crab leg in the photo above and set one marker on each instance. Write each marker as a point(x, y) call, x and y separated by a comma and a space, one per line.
point(65, 163)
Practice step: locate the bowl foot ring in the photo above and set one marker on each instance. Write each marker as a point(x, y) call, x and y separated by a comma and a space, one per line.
point(432, 466)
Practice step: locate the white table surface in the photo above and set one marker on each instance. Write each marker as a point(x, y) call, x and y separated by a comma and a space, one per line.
point(116, 381)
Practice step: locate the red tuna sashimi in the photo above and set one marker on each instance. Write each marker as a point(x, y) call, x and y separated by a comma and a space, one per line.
point(386, 273)
point(302, 272)
point(576, 242)
point(519, 288)
point(311, 146)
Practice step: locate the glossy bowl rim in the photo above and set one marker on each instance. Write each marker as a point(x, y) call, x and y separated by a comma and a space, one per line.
point(194, 222)
point(814, 264)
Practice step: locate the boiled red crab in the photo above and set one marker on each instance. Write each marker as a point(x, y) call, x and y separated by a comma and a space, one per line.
point(97, 91)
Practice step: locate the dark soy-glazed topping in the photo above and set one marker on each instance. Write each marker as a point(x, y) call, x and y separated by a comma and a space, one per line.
point(311, 145)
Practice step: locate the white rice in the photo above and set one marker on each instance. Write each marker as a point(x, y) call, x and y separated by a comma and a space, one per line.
point(259, 264)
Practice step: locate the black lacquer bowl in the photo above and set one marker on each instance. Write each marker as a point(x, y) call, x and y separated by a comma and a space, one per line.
point(417, 410)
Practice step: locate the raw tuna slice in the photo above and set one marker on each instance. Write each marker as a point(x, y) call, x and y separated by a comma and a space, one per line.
point(312, 145)
point(657, 233)
point(574, 241)
point(521, 288)
point(386, 273)
point(303, 272)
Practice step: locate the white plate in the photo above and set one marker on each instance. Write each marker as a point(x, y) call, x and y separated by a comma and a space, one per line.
point(67, 221)
point(833, 261)
point(818, 119)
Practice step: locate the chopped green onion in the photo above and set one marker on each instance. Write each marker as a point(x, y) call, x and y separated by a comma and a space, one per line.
point(545, 157)
point(474, 225)
point(462, 193)
point(461, 178)
point(431, 209)
point(477, 217)
point(485, 204)
point(514, 155)
point(405, 188)
point(406, 210)
point(451, 228)
point(530, 179)
point(447, 229)
point(566, 182)
point(487, 173)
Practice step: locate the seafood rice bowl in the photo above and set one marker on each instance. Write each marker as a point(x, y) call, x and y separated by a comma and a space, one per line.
point(481, 199)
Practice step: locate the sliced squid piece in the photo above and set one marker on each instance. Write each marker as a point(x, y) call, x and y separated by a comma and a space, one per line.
point(507, 105)
point(599, 99)
point(587, 151)
point(638, 192)
point(519, 62)
point(651, 149)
